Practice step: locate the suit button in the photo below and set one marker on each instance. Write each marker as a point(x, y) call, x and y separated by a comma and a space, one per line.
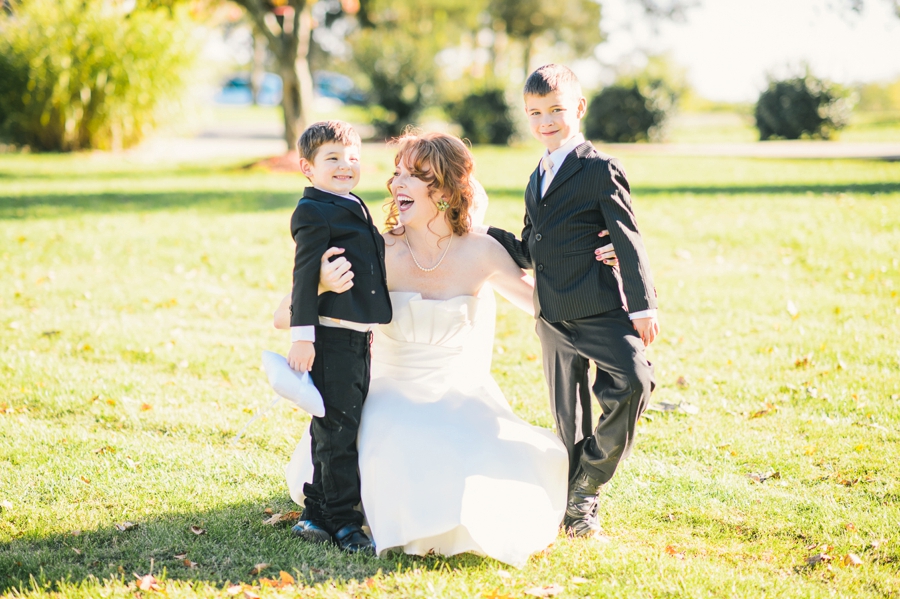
point(538, 237)
point(541, 267)
point(373, 292)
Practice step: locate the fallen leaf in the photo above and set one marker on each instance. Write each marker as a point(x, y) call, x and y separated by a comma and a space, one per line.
point(818, 558)
point(86, 481)
point(180, 555)
point(268, 511)
point(234, 589)
point(850, 526)
point(851, 559)
point(768, 408)
point(495, 594)
point(804, 361)
point(148, 583)
point(258, 568)
point(761, 478)
point(126, 526)
point(145, 407)
point(189, 563)
point(674, 552)
point(273, 520)
point(105, 449)
point(547, 591)
point(250, 594)
point(682, 382)
point(77, 551)
point(287, 579)
point(792, 309)
point(197, 530)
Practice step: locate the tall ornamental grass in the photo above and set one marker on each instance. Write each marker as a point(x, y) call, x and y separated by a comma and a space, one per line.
point(88, 74)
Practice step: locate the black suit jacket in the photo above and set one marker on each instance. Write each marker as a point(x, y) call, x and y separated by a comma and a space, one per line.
point(588, 194)
point(320, 221)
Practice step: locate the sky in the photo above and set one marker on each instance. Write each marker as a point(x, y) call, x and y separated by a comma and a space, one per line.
point(729, 46)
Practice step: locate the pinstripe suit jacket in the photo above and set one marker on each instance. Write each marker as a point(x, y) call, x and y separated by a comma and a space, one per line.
point(588, 194)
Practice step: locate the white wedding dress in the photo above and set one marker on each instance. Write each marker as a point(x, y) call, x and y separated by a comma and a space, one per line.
point(445, 465)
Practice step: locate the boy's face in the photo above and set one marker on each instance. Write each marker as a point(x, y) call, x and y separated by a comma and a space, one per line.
point(335, 168)
point(555, 118)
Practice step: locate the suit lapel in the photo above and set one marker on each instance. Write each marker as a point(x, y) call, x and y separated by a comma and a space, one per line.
point(533, 194)
point(323, 196)
point(570, 166)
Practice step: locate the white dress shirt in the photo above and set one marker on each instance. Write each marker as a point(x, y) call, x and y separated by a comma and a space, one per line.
point(557, 157)
point(308, 332)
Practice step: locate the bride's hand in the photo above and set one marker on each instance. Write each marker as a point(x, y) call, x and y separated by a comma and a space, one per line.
point(335, 275)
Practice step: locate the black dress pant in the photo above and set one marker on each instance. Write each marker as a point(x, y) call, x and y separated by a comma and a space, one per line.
point(622, 387)
point(341, 374)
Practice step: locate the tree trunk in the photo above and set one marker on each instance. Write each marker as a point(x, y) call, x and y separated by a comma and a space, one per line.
point(258, 70)
point(291, 50)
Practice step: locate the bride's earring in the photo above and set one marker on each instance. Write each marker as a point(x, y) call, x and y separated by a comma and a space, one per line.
point(442, 205)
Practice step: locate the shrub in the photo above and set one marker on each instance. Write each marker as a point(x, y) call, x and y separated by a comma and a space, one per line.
point(80, 74)
point(801, 107)
point(399, 73)
point(484, 117)
point(628, 113)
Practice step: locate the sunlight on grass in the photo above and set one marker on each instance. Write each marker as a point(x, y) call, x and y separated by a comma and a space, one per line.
point(136, 300)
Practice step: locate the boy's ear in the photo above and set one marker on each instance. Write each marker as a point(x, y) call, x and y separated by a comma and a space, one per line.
point(306, 167)
point(582, 107)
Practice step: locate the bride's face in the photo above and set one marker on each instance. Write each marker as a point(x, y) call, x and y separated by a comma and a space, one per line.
point(415, 200)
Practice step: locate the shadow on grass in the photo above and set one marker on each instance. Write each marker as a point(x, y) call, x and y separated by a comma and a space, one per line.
point(63, 205)
point(235, 540)
point(743, 189)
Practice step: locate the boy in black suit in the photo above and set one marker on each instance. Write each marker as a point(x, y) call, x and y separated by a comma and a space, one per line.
point(586, 312)
point(331, 332)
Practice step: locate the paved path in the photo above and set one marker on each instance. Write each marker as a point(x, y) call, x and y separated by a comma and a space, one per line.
point(260, 140)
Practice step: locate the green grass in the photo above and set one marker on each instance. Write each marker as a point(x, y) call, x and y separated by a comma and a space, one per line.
point(135, 301)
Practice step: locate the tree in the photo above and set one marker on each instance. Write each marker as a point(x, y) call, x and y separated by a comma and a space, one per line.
point(287, 26)
point(573, 22)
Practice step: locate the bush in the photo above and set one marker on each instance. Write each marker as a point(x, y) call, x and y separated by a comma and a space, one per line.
point(399, 76)
point(628, 113)
point(801, 107)
point(80, 74)
point(484, 117)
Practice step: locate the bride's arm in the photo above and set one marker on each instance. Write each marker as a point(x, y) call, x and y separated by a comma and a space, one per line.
point(508, 279)
point(334, 275)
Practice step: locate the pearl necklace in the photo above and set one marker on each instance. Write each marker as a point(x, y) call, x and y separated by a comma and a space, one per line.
point(422, 268)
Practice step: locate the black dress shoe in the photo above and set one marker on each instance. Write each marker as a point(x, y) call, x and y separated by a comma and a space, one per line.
point(581, 511)
point(310, 531)
point(352, 539)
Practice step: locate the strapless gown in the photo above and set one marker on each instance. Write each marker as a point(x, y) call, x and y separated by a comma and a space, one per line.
point(446, 467)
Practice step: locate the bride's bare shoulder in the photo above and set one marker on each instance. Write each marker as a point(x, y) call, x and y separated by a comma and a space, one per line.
point(390, 238)
point(484, 243)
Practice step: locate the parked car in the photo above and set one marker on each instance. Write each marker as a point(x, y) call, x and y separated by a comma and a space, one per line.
point(236, 89)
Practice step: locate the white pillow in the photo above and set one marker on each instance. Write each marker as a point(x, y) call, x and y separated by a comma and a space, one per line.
point(290, 384)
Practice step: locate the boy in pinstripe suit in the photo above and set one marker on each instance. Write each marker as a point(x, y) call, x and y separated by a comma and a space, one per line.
point(586, 311)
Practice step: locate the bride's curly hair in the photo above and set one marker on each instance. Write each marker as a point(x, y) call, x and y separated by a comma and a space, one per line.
point(445, 163)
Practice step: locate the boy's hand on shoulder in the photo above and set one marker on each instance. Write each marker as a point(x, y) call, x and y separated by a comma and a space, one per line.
point(647, 328)
point(606, 253)
point(301, 355)
point(335, 275)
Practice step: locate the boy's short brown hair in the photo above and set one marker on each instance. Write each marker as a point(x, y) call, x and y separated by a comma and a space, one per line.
point(323, 132)
point(552, 78)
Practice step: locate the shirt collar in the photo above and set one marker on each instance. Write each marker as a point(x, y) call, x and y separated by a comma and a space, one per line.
point(558, 155)
point(348, 196)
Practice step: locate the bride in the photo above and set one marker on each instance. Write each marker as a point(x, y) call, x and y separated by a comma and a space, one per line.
point(445, 465)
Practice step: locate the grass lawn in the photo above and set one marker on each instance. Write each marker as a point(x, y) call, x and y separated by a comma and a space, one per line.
point(135, 301)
